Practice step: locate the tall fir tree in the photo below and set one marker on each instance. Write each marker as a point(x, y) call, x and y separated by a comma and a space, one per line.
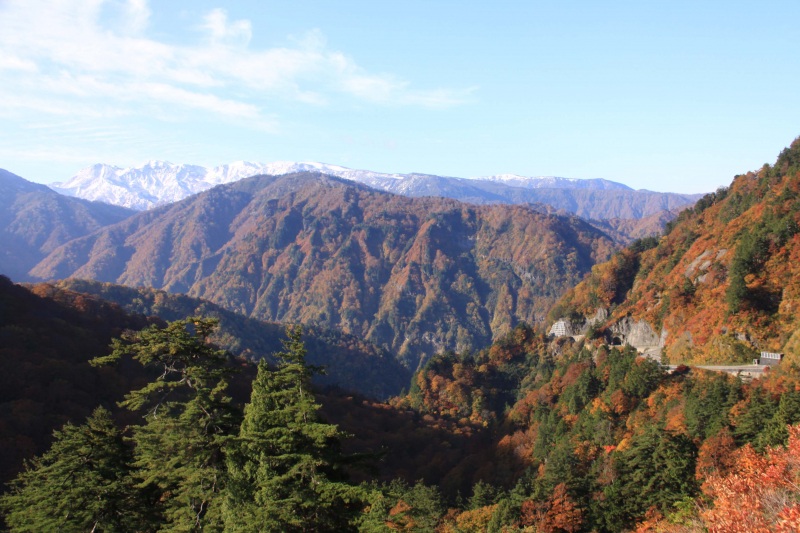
point(285, 469)
point(656, 470)
point(81, 483)
point(179, 450)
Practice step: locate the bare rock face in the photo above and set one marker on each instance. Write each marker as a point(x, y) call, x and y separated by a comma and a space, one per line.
point(598, 318)
point(626, 331)
point(638, 334)
point(570, 327)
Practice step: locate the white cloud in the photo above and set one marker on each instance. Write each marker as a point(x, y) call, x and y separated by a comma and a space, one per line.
point(65, 48)
point(238, 32)
point(9, 62)
point(137, 14)
point(162, 92)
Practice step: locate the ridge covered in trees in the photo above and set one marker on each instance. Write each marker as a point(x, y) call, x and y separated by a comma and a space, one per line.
point(352, 363)
point(722, 283)
point(410, 275)
point(47, 337)
point(532, 434)
point(35, 220)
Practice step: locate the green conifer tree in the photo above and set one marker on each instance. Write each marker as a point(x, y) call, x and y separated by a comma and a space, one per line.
point(760, 408)
point(396, 506)
point(656, 470)
point(285, 469)
point(81, 484)
point(179, 460)
point(775, 432)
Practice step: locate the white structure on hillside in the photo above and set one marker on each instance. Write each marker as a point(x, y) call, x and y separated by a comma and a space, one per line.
point(562, 328)
point(770, 358)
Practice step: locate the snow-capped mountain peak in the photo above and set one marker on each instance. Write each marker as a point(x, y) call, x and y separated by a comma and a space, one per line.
point(154, 183)
point(554, 182)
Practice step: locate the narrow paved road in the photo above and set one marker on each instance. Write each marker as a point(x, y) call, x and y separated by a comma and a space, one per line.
point(752, 371)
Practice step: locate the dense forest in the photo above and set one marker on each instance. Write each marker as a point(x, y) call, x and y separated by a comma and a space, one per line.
point(411, 275)
point(122, 421)
point(722, 284)
point(533, 433)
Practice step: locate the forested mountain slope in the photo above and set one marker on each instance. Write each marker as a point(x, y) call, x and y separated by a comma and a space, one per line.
point(47, 337)
point(412, 275)
point(34, 220)
point(350, 363)
point(48, 334)
point(722, 284)
point(532, 432)
point(583, 437)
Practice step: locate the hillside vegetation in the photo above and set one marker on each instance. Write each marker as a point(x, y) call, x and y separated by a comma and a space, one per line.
point(35, 220)
point(411, 275)
point(532, 433)
point(723, 283)
point(350, 363)
point(587, 438)
point(47, 337)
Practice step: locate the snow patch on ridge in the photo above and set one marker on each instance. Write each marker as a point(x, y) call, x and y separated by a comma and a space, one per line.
point(554, 182)
point(155, 183)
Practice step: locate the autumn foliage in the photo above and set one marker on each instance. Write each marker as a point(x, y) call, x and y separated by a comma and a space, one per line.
point(724, 281)
point(760, 493)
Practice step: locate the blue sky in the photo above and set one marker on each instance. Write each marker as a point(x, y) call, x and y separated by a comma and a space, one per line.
point(668, 96)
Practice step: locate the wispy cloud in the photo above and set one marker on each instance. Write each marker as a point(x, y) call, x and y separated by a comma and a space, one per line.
point(221, 31)
point(67, 54)
point(9, 62)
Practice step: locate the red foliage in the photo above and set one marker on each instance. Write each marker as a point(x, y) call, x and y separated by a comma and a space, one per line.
point(716, 455)
point(760, 493)
point(559, 514)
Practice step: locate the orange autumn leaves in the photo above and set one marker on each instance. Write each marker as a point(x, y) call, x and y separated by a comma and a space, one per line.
point(750, 493)
point(761, 492)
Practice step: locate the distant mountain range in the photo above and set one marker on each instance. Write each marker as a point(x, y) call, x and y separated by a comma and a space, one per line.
point(411, 275)
point(157, 183)
point(35, 220)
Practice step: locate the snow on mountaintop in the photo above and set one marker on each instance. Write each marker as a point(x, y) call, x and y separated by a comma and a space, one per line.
point(554, 182)
point(156, 183)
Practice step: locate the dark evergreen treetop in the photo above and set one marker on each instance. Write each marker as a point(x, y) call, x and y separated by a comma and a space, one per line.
point(81, 484)
point(286, 466)
point(178, 453)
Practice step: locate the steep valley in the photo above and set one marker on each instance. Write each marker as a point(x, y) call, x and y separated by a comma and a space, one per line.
point(415, 276)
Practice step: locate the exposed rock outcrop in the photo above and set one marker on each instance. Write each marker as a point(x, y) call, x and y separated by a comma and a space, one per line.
point(626, 331)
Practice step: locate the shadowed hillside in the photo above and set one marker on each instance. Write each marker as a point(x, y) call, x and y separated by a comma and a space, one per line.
point(350, 362)
point(34, 220)
point(47, 337)
point(415, 276)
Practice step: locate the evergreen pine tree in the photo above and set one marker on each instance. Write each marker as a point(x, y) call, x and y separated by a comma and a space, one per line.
point(775, 432)
point(81, 484)
point(179, 461)
point(397, 507)
point(483, 494)
point(285, 469)
point(656, 470)
point(760, 408)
